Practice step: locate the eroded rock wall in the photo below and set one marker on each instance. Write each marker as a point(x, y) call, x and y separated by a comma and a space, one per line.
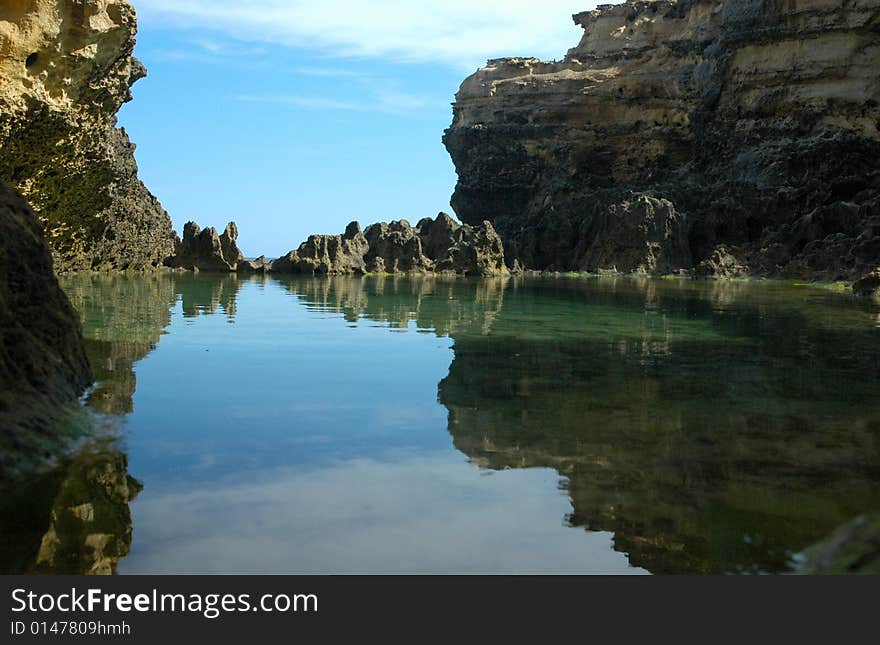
point(43, 362)
point(750, 127)
point(66, 67)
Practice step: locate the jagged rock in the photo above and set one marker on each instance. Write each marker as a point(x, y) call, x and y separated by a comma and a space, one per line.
point(65, 70)
point(853, 549)
point(438, 236)
point(260, 265)
point(43, 362)
point(395, 248)
point(440, 245)
point(462, 249)
point(759, 122)
point(205, 250)
point(868, 285)
point(724, 262)
point(327, 255)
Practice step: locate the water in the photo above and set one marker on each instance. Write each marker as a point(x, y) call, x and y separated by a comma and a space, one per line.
point(391, 425)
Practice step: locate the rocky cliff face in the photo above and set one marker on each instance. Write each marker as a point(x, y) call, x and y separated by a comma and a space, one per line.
point(43, 362)
point(66, 67)
point(719, 134)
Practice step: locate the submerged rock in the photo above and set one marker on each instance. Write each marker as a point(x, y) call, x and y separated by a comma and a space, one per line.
point(65, 70)
point(853, 549)
point(744, 125)
point(205, 250)
point(43, 363)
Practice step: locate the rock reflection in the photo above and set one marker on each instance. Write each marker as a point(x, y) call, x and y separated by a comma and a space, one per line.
point(72, 520)
point(123, 319)
point(441, 305)
point(700, 454)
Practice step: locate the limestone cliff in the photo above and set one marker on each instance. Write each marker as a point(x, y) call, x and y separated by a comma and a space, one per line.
point(728, 136)
point(66, 67)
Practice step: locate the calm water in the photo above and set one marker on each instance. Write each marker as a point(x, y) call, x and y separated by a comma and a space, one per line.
point(402, 425)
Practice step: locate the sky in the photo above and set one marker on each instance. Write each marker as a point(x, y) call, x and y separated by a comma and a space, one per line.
point(296, 117)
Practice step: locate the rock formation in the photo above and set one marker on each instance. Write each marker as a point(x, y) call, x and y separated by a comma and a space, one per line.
point(433, 246)
point(207, 251)
point(738, 136)
point(853, 549)
point(43, 363)
point(66, 67)
point(867, 285)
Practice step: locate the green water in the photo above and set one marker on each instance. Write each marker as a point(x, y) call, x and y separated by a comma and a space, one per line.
point(388, 425)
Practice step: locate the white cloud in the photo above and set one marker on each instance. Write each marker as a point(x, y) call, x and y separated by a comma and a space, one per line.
point(462, 33)
point(379, 100)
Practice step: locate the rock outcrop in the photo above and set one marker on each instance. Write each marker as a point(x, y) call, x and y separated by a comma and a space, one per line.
point(43, 362)
point(737, 135)
point(853, 549)
point(433, 246)
point(205, 250)
point(66, 67)
point(867, 285)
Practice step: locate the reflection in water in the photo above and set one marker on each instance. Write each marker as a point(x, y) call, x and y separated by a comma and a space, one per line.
point(710, 428)
point(694, 427)
point(74, 519)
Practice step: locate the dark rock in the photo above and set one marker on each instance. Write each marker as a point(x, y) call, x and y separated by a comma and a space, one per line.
point(691, 107)
point(853, 549)
point(868, 285)
point(395, 248)
point(640, 235)
point(438, 236)
point(724, 262)
point(43, 363)
point(260, 265)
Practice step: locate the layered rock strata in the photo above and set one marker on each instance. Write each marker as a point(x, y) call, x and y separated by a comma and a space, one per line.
point(736, 137)
point(43, 362)
point(66, 67)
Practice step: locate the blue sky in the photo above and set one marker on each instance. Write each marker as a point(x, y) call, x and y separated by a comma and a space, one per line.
point(294, 118)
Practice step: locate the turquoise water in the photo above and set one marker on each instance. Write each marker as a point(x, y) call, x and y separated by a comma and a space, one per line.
point(392, 425)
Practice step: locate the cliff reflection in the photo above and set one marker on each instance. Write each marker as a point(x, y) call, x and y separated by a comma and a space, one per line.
point(72, 520)
point(717, 446)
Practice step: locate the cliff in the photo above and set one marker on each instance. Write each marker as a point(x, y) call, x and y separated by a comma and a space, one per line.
point(730, 137)
point(66, 67)
point(43, 361)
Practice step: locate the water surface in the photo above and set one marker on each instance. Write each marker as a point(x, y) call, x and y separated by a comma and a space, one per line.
point(392, 425)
